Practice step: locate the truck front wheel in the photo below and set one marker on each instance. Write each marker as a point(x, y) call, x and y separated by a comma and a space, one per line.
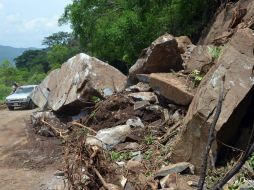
point(10, 108)
point(31, 105)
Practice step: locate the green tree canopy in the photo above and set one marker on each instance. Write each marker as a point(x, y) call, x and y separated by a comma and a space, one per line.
point(60, 38)
point(117, 30)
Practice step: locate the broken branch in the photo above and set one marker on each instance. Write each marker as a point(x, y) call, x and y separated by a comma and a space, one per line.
point(211, 138)
point(55, 130)
point(85, 127)
point(105, 185)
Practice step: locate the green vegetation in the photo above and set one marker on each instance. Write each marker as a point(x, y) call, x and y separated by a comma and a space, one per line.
point(251, 161)
point(196, 77)
point(118, 30)
point(120, 156)
point(149, 139)
point(215, 52)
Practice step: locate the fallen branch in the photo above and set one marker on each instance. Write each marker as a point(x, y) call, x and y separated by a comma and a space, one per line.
point(211, 138)
point(83, 126)
point(238, 165)
point(105, 185)
point(55, 130)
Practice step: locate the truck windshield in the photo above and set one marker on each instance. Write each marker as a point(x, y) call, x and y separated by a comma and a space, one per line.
point(21, 90)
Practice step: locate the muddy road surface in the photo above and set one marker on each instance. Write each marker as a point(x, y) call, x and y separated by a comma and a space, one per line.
point(27, 161)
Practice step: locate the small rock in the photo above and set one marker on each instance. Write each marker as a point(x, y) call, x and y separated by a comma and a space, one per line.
point(140, 87)
point(141, 104)
point(136, 122)
point(134, 166)
point(166, 115)
point(127, 146)
point(123, 181)
point(174, 168)
point(46, 132)
point(192, 183)
point(108, 92)
point(59, 173)
point(183, 42)
point(113, 187)
point(176, 116)
point(121, 164)
point(145, 78)
point(110, 137)
point(137, 156)
point(155, 108)
point(145, 96)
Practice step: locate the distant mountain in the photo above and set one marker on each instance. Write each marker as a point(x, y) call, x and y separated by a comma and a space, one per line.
point(10, 53)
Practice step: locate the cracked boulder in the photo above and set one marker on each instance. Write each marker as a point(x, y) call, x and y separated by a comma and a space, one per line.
point(236, 63)
point(163, 55)
point(73, 85)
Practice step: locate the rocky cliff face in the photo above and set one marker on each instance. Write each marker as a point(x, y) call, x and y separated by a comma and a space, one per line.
point(235, 64)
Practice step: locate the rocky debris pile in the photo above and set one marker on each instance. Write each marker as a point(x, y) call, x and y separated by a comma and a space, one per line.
point(121, 139)
point(125, 146)
point(129, 138)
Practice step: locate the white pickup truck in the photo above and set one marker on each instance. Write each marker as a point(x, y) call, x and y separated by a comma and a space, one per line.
point(21, 98)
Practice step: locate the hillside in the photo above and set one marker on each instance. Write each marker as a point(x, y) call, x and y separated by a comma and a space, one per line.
point(9, 53)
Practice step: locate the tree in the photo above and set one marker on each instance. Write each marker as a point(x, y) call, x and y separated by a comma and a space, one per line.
point(117, 30)
point(33, 60)
point(60, 38)
point(58, 54)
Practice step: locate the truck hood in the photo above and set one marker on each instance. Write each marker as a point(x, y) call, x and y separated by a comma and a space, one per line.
point(18, 96)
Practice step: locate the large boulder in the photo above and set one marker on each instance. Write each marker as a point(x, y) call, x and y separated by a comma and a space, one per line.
point(227, 20)
point(162, 55)
point(80, 78)
point(200, 59)
point(172, 87)
point(236, 63)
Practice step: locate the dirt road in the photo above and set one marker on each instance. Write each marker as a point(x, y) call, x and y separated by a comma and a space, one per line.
point(27, 161)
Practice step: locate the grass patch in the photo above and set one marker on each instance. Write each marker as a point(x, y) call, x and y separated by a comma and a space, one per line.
point(119, 156)
point(215, 52)
point(196, 77)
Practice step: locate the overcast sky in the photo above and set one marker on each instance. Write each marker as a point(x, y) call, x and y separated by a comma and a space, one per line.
point(24, 23)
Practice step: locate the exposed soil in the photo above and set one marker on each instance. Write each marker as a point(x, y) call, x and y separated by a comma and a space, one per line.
point(27, 161)
point(115, 111)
